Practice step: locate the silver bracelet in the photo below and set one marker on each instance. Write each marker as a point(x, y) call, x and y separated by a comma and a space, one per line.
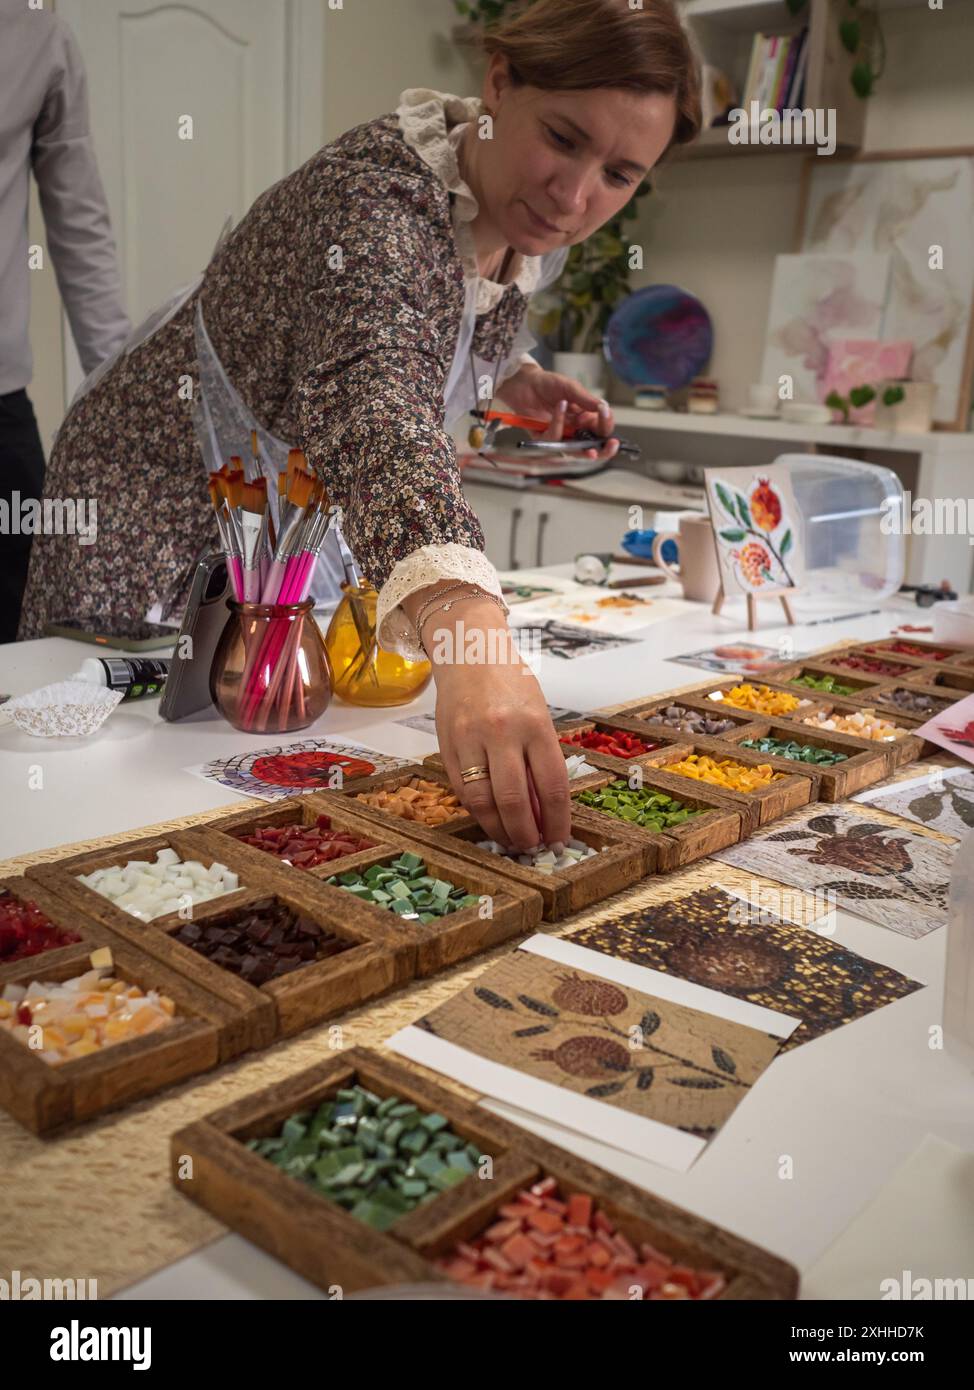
point(428, 605)
point(445, 607)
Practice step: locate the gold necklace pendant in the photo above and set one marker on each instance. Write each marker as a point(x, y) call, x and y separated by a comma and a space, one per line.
point(476, 436)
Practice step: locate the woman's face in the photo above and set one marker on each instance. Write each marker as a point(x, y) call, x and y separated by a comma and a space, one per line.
point(560, 164)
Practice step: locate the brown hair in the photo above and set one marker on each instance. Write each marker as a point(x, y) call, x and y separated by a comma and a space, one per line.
point(574, 45)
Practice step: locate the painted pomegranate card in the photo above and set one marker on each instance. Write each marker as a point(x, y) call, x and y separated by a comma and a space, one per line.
point(715, 939)
point(756, 528)
point(889, 876)
point(663, 1061)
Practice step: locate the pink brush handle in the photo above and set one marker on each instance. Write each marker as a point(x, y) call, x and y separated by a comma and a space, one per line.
point(251, 585)
point(293, 589)
point(235, 570)
point(274, 581)
point(274, 592)
point(291, 586)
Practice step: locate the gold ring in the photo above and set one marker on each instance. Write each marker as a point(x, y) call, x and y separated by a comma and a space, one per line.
point(474, 774)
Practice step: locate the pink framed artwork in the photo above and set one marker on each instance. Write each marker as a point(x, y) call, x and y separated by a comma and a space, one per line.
point(856, 362)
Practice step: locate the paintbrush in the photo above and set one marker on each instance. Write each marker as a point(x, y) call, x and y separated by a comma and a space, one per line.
point(253, 531)
point(293, 521)
point(227, 538)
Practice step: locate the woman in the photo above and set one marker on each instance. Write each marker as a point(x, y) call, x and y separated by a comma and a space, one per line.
point(339, 312)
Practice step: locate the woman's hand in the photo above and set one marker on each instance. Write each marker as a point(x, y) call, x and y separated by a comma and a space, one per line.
point(495, 714)
point(561, 401)
point(490, 711)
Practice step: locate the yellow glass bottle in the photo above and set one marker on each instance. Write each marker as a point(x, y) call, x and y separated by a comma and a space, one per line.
point(362, 672)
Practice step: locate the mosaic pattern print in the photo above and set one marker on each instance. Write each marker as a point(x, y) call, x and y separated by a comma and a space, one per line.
point(943, 800)
point(735, 657)
point(561, 639)
point(715, 939)
point(889, 876)
point(656, 1059)
point(305, 766)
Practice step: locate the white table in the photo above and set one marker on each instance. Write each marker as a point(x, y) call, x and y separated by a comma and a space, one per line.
point(847, 1108)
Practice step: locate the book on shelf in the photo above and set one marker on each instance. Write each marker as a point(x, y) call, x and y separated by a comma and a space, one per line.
point(796, 91)
point(776, 71)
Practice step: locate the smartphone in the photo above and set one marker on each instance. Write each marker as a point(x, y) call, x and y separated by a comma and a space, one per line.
point(188, 687)
point(137, 636)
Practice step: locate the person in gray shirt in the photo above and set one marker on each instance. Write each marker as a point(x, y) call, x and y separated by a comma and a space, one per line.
point(44, 128)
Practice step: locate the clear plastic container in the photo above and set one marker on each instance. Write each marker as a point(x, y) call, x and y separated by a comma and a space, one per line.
point(849, 553)
point(953, 620)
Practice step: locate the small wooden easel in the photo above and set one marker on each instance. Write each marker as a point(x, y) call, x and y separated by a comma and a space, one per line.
point(782, 595)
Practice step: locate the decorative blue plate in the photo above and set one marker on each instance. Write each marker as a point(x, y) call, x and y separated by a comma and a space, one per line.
point(659, 336)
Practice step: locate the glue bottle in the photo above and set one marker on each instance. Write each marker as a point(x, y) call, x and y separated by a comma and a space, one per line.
point(135, 676)
point(959, 974)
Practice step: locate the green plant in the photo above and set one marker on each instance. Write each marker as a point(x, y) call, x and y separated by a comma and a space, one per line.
point(484, 11)
point(861, 35)
point(860, 396)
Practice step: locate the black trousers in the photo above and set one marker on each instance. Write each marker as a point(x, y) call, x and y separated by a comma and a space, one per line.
point(21, 471)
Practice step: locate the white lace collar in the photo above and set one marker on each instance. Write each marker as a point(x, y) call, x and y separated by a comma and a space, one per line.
point(433, 124)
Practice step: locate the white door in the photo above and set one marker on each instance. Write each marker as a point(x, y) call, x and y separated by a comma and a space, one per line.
point(196, 108)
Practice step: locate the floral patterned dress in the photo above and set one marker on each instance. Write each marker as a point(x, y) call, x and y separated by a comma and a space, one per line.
point(334, 307)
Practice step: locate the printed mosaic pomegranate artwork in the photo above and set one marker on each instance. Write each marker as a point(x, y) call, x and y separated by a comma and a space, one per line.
point(715, 938)
point(576, 1030)
point(876, 871)
point(942, 799)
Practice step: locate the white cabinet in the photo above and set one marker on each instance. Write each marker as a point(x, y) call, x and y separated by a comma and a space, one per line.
point(507, 517)
point(523, 529)
point(567, 526)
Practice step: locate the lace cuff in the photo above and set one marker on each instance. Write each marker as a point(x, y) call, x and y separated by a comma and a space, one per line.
point(425, 566)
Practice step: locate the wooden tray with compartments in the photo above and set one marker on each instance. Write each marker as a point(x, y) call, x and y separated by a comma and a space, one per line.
point(953, 680)
point(857, 683)
point(756, 808)
point(914, 672)
point(362, 965)
point(435, 762)
point(44, 1096)
point(934, 653)
point(719, 825)
point(286, 1216)
point(642, 715)
point(422, 947)
point(702, 696)
point(898, 751)
point(940, 698)
point(608, 762)
point(619, 863)
point(64, 912)
point(962, 659)
point(863, 766)
point(90, 932)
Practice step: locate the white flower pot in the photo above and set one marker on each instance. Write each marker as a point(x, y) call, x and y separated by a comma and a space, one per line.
point(587, 368)
point(913, 414)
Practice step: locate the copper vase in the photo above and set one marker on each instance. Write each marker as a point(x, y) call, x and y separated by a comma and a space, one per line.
point(270, 672)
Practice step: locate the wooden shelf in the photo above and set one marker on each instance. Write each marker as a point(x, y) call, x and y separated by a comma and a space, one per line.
point(723, 31)
point(740, 14)
point(739, 426)
point(714, 144)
